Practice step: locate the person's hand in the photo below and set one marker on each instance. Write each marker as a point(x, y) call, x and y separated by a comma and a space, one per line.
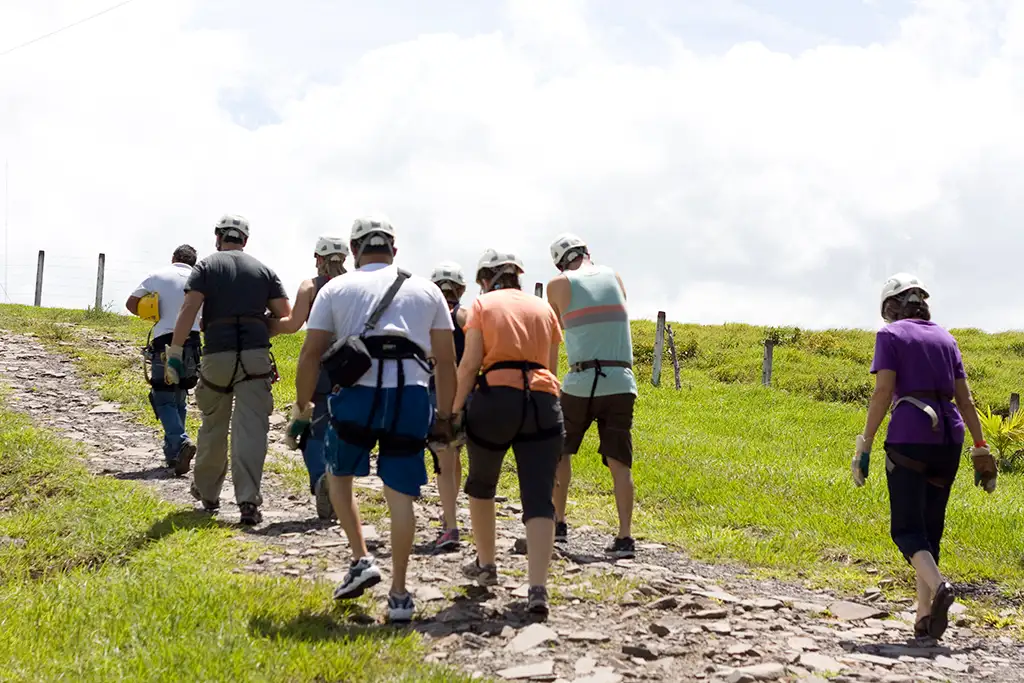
point(299, 423)
point(442, 432)
point(174, 367)
point(861, 461)
point(985, 472)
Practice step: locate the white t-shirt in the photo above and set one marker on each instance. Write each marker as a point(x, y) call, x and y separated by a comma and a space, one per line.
point(169, 285)
point(344, 304)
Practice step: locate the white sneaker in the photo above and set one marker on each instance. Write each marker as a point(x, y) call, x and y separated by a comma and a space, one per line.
point(400, 607)
point(361, 575)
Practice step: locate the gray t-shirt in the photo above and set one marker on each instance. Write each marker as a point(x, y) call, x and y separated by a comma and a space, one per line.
point(234, 284)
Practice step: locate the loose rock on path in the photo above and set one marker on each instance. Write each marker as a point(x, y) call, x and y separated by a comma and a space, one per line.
point(658, 617)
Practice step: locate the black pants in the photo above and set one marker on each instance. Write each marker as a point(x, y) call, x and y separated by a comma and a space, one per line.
point(494, 415)
point(917, 500)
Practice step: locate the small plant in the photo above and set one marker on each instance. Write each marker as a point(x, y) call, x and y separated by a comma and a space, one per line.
point(1005, 436)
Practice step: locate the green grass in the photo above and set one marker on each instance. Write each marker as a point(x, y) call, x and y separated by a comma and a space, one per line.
point(105, 582)
point(736, 472)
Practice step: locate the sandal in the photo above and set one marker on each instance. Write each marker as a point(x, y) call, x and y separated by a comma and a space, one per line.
point(943, 600)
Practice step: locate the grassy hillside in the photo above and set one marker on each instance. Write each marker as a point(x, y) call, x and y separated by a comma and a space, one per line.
point(101, 581)
point(734, 471)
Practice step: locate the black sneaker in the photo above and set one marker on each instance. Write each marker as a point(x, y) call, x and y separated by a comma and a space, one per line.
point(561, 532)
point(484, 575)
point(208, 505)
point(251, 515)
point(361, 574)
point(622, 548)
point(324, 510)
point(537, 600)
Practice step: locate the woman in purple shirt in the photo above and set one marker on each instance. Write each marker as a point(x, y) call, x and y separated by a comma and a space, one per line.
point(918, 363)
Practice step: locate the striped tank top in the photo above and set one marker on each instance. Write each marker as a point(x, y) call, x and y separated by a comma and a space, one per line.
point(597, 328)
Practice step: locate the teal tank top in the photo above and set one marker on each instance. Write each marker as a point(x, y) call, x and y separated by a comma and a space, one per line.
point(597, 328)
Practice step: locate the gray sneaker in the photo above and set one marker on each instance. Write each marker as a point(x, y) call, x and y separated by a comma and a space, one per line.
point(486, 575)
point(324, 510)
point(537, 600)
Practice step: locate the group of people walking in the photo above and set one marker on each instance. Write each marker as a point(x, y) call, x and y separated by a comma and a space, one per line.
point(392, 361)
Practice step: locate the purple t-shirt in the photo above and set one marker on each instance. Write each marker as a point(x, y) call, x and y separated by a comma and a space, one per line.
point(924, 357)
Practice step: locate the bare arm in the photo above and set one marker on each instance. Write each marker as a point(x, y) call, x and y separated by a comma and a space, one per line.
point(965, 402)
point(308, 369)
point(461, 316)
point(280, 307)
point(469, 368)
point(559, 296)
point(553, 358)
point(186, 317)
point(881, 399)
point(293, 322)
point(442, 342)
point(133, 304)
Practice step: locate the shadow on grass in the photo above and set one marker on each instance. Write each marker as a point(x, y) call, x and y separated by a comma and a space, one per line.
point(184, 520)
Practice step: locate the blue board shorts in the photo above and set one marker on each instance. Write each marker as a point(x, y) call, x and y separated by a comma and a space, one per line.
point(402, 471)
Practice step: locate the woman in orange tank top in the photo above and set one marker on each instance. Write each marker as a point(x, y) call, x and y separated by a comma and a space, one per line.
point(509, 363)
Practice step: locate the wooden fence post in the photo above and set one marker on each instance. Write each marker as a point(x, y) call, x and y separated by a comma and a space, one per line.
point(1014, 404)
point(659, 348)
point(39, 278)
point(538, 289)
point(766, 367)
point(672, 353)
point(99, 282)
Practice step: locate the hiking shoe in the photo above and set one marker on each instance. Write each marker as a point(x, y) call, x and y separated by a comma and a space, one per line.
point(448, 540)
point(943, 600)
point(324, 510)
point(486, 575)
point(622, 548)
point(561, 532)
point(537, 600)
point(185, 455)
point(208, 505)
point(362, 574)
point(251, 515)
point(400, 607)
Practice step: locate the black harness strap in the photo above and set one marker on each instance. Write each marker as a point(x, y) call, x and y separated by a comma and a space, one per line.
point(524, 366)
point(598, 366)
point(384, 348)
point(246, 376)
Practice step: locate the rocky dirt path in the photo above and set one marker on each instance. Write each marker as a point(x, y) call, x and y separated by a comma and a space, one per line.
point(659, 617)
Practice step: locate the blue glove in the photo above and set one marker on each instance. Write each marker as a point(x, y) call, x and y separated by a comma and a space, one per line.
point(861, 461)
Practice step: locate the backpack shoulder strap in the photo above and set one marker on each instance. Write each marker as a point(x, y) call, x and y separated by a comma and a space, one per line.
point(386, 300)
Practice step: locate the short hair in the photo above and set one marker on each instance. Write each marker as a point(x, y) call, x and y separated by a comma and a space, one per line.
point(184, 254)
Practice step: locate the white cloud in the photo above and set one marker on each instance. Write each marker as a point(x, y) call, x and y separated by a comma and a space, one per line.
point(749, 185)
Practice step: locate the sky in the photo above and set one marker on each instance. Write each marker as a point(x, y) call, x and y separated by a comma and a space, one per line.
point(761, 161)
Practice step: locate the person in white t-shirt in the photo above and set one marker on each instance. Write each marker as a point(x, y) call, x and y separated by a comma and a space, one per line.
point(168, 400)
point(389, 405)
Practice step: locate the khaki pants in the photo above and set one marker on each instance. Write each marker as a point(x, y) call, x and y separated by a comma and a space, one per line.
point(249, 422)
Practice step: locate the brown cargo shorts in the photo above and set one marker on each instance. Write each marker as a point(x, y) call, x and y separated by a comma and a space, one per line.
point(614, 415)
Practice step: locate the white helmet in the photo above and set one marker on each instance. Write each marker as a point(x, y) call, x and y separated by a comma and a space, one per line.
point(327, 246)
point(369, 225)
point(500, 261)
point(564, 243)
point(232, 223)
point(898, 284)
point(448, 271)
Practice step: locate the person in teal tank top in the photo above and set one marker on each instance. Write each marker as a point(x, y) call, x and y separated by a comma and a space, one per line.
point(590, 301)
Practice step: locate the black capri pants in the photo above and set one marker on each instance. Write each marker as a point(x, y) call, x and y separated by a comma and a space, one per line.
point(920, 478)
point(494, 415)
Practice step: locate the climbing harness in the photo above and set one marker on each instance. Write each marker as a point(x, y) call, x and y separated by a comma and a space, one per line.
point(349, 359)
point(597, 366)
point(524, 366)
point(237, 321)
point(914, 398)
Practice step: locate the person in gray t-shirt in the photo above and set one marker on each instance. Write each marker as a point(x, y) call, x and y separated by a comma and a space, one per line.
point(234, 290)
